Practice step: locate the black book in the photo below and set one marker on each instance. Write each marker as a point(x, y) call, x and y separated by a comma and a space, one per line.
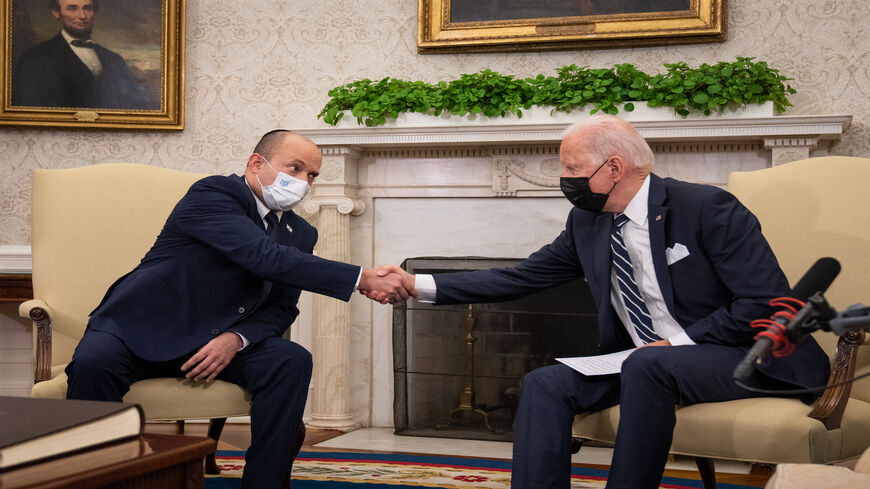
point(33, 429)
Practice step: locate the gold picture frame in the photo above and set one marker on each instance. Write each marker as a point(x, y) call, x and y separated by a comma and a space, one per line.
point(450, 26)
point(137, 81)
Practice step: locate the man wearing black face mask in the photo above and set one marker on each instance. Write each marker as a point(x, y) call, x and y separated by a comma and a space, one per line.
point(674, 265)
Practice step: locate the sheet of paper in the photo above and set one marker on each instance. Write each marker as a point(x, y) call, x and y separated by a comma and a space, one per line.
point(599, 364)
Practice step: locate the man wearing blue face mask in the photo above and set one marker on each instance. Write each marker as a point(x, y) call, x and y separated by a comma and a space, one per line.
point(214, 295)
point(676, 269)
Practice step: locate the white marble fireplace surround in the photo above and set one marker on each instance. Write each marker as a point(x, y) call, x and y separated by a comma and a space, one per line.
point(390, 193)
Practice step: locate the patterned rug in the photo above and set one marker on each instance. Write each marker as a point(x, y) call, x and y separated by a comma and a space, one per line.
point(351, 470)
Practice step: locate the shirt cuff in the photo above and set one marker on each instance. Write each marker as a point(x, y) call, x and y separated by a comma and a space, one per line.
point(245, 341)
point(358, 277)
point(425, 285)
point(681, 339)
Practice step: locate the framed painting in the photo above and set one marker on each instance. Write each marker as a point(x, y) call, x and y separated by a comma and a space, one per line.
point(449, 26)
point(92, 63)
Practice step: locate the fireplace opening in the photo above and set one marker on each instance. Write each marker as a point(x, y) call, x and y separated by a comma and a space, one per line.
point(458, 369)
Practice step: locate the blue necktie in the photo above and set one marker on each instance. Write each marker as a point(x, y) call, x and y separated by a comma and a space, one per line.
point(638, 314)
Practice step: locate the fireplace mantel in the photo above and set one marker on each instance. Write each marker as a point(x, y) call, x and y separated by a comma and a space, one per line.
point(775, 132)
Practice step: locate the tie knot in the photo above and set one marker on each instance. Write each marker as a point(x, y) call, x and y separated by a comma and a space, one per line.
point(82, 43)
point(619, 220)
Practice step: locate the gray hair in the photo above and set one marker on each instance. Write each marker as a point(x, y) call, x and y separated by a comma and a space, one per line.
point(612, 136)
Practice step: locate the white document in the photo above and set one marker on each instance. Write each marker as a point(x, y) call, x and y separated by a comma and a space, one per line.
point(599, 364)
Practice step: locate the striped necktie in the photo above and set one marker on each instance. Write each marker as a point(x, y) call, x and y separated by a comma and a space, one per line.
point(638, 314)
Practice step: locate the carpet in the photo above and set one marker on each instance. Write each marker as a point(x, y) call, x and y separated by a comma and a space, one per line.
point(352, 470)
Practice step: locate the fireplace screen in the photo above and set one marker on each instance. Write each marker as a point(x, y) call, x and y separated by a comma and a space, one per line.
point(458, 369)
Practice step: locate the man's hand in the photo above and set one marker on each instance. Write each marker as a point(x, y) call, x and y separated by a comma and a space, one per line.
point(387, 284)
point(208, 362)
point(657, 343)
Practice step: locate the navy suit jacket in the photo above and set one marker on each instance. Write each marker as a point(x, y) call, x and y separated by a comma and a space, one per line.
point(207, 273)
point(50, 74)
point(724, 283)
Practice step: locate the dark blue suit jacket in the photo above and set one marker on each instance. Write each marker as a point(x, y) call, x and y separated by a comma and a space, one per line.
point(207, 273)
point(725, 282)
point(51, 75)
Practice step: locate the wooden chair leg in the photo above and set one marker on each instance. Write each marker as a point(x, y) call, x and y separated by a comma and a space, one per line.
point(179, 427)
point(215, 426)
point(707, 470)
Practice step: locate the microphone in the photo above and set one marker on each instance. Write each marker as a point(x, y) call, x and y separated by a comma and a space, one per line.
point(817, 279)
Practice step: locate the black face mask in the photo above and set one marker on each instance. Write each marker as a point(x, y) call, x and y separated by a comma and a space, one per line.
point(577, 191)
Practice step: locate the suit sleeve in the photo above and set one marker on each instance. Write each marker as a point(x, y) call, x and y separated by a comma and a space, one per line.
point(744, 262)
point(216, 217)
point(552, 265)
point(275, 315)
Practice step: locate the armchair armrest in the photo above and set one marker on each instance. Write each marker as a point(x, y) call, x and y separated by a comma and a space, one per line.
point(40, 313)
point(830, 407)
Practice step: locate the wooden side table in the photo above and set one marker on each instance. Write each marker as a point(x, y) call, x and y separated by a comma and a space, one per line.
point(15, 287)
point(150, 461)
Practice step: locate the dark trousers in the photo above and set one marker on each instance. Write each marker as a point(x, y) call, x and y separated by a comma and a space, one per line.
point(276, 372)
point(653, 381)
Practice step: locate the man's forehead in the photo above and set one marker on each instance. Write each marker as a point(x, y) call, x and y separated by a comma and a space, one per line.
point(299, 150)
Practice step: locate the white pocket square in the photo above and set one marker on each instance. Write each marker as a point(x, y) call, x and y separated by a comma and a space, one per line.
point(677, 253)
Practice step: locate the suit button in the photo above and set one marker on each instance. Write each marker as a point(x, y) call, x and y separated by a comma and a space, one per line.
point(215, 331)
point(241, 310)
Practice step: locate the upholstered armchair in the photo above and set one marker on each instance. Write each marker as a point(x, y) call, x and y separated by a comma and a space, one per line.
point(90, 226)
point(808, 209)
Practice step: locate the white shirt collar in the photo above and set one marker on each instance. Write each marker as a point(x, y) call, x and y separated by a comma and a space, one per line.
point(638, 207)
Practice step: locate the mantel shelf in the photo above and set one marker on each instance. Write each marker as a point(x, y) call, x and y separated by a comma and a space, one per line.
point(819, 127)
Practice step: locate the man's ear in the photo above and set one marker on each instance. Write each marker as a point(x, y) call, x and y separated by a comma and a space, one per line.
point(255, 162)
point(616, 167)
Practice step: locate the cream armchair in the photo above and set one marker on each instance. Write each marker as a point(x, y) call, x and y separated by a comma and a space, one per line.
point(91, 225)
point(808, 209)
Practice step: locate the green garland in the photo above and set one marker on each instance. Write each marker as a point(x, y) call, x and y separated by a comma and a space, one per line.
point(707, 89)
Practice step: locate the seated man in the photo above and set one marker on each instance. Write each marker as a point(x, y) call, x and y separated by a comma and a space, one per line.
point(676, 269)
point(214, 295)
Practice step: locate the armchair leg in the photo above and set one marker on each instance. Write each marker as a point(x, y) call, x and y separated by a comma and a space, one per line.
point(707, 470)
point(215, 426)
point(179, 427)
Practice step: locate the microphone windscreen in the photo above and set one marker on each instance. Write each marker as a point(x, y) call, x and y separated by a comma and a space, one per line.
point(817, 279)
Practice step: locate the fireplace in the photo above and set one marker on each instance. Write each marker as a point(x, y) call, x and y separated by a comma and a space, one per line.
point(458, 369)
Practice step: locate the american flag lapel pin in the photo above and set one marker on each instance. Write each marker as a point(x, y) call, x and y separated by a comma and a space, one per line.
point(289, 228)
point(659, 217)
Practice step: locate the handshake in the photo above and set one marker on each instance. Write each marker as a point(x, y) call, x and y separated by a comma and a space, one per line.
point(387, 284)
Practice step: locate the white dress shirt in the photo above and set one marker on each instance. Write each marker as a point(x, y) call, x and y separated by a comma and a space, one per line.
point(87, 55)
point(635, 232)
